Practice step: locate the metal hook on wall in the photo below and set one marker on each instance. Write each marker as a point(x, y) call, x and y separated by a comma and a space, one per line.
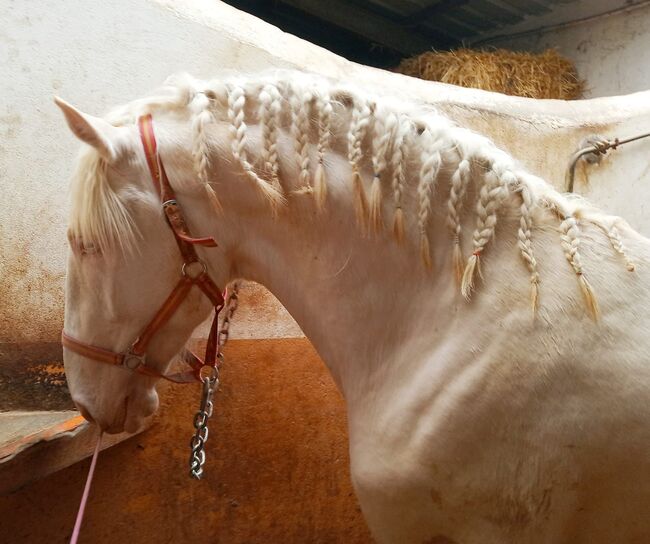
point(592, 149)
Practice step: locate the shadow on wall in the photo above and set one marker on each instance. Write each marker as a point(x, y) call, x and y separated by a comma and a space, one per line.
point(277, 466)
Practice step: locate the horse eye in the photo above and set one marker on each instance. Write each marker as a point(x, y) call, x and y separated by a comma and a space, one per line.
point(80, 248)
point(88, 249)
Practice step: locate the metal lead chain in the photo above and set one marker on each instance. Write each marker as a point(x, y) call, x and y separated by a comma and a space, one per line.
point(210, 386)
point(197, 457)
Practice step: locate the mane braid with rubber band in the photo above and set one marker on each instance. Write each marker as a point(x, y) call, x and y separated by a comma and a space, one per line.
point(370, 131)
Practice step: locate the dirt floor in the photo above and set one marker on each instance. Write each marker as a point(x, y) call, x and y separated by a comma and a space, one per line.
point(277, 467)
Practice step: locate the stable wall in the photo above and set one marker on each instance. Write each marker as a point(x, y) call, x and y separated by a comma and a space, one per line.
point(611, 52)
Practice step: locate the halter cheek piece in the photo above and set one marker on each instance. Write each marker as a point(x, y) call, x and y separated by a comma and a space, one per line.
point(193, 272)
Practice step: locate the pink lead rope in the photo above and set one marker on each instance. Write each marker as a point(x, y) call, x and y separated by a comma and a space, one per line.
point(84, 497)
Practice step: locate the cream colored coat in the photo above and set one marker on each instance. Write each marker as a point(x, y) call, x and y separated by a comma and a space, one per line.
point(469, 421)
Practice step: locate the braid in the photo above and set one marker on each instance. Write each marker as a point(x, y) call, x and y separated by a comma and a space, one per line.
point(383, 132)
point(236, 103)
point(398, 176)
point(459, 181)
point(269, 113)
point(389, 133)
point(358, 127)
point(301, 105)
point(525, 243)
point(324, 107)
point(617, 244)
point(491, 194)
point(431, 161)
point(570, 236)
point(200, 150)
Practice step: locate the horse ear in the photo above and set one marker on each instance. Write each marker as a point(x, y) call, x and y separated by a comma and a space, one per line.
point(94, 131)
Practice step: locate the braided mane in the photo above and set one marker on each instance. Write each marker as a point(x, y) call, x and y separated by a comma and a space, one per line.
point(392, 138)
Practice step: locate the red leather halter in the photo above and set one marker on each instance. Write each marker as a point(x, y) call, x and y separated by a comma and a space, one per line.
point(193, 272)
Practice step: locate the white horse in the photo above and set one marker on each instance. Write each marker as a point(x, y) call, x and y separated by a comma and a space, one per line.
point(492, 349)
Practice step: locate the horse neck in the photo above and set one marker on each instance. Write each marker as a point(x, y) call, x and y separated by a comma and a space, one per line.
point(358, 297)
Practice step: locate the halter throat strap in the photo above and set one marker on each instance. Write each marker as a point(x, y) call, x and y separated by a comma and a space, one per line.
point(193, 273)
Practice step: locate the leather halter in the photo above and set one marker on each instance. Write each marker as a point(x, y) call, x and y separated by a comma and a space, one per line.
point(193, 272)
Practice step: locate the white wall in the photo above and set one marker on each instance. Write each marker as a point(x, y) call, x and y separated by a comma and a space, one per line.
point(612, 53)
point(95, 54)
point(98, 53)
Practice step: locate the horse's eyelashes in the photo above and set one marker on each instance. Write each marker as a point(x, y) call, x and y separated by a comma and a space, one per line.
point(89, 249)
point(80, 248)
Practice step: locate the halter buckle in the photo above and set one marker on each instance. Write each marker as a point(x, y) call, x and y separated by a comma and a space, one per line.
point(133, 362)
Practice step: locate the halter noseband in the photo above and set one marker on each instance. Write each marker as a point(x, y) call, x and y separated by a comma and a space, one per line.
point(193, 272)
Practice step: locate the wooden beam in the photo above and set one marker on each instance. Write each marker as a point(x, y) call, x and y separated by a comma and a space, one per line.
point(338, 40)
point(370, 26)
point(415, 19)
point(440, 7)
point(33, 457)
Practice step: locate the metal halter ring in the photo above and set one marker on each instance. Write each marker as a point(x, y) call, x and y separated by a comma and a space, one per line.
point(132, 361)
point(210, 373)
point(185, 270)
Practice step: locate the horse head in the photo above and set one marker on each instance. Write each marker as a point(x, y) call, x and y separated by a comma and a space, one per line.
point(124, 263)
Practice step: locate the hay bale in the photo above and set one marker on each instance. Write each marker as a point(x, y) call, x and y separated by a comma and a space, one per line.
point(545, 75)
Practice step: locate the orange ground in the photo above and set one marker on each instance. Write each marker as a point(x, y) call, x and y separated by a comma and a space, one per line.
point(277, 468)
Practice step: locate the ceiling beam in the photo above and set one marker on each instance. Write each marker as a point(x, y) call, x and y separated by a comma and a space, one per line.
point(440, 7)
point(370, 26)
point(338, 40)
point(415, 19)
